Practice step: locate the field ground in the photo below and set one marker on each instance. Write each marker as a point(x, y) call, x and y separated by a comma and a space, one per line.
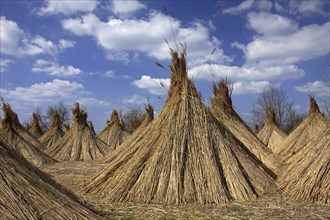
point(75, 175)
point(264, 208)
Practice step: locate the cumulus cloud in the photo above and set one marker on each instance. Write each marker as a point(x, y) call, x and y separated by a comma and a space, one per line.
point(282, 42)
point(260, 5)
point(249, 87)
point(49, 92)
point(54, 69)
point(216, 72)
point(135, 99)
point(4, 64)
point(271, 24)
point(65, 7)
point(317, 88)
point(14, 41)
point(122, 38)
point(155, 86)
point(307, 8)
point(125, 8)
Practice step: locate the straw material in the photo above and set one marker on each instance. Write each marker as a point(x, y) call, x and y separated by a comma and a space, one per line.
point(271, 135)
point(313, 124)
point(113, 134)
point(222, 109)
point(183, 156)
point(308, 175)
point(28, 193)
point(79, 143)
point(21, 140)
point(137, 134)
point(35, 128)
point(53, 134)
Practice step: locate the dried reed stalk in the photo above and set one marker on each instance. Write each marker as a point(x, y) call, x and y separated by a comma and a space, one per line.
point(308, 175)
point(28, 193)
point(271, 135)
point(80, 142)
point(313, 124)
point(183, 156)
point(221, 107)
point(53, 134)
point(113, 134)
point(13, 133)
point(35, 128)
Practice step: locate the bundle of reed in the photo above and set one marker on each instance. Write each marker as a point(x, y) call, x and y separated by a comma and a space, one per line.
point(113, 134)
point(53, 134)
point(183, 156)
point(35, 128)
point(314, 123)
point(222, 108)
point(271, 135)
point(80, 142)
point(28, 193)
point(13, 133)
point(308, 175)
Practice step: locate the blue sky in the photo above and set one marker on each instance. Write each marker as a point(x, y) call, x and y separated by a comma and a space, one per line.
point(103, 53)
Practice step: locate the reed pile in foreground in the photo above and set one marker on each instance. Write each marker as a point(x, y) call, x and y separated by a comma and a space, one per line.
point(13, 133)
point(35, 128)
point(271, 135)
point(313, 124)
point(308, 175)
point(80, 142)
point(53, 134)
point(222, 109)
point(113, 134)
point(183, 156)
point(28, 193)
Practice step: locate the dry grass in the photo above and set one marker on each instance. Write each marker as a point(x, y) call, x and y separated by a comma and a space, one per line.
point(313, 124)
point(53, 134)
point(221, 107)
point(271, 135)
point(308, 175)
point(28, 193)
point(113, 134)
point(74, 174)
point(267, 207)
point(183, 156)
point(13, 133)
point(80, 142)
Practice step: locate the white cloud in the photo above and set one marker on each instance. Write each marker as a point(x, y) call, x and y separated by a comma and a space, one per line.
point(67, 7)
point(271, 24)
point(153, 85)
point(122, 38)
point(307, 8)
point(244, 6)
point(49, 92)
point(90, 101)
point(304, 44)
point(249, 87)
point(54, 69)
point(317, 88)
point(17, 43)
point(125, 8)
point(135, 99)
point(216, 72)
point(4, 64)
point(110, 74)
